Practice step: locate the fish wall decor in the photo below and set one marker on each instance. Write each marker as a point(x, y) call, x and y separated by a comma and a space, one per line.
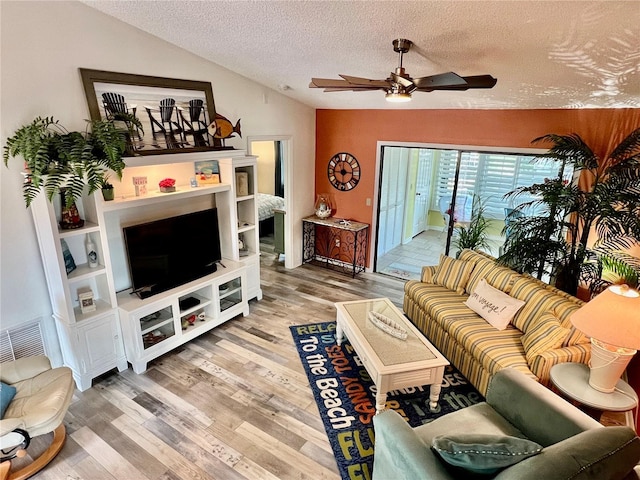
point(221, 128)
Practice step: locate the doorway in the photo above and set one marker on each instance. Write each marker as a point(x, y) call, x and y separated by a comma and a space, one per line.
point(274, 186)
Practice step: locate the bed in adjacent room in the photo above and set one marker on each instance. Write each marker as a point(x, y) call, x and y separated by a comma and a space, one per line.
point(266, 206)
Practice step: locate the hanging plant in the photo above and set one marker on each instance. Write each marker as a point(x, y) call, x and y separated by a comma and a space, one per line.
point(56, 159)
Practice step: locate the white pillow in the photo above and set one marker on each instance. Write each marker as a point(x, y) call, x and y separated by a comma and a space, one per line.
point(494, 306)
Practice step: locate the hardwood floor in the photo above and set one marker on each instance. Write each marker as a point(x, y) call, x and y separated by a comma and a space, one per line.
point(231, 404)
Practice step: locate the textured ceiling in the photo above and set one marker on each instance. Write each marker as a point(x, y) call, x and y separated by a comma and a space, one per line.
point(545, 54)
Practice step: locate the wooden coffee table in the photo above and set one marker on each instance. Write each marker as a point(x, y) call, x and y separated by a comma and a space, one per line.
point(391, 362)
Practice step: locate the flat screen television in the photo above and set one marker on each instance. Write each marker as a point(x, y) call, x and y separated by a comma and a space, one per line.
point(169, 252)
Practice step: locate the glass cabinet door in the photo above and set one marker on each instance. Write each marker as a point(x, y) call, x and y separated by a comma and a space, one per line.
point(157, 327)
point(230, 294)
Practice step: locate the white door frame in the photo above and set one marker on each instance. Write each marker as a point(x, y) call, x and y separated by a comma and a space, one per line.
point(287, 149)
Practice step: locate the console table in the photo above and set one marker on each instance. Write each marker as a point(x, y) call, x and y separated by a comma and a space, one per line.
point(335, 243)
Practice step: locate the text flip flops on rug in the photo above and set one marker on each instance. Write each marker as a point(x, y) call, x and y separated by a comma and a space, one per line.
point(345, 396)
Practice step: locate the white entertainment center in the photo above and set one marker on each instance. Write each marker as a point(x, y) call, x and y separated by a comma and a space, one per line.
point(123, 327)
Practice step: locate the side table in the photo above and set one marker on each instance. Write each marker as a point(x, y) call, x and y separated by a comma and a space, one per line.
point(572, 380)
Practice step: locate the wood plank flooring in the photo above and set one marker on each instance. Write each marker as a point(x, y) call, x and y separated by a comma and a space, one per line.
point(231, 404)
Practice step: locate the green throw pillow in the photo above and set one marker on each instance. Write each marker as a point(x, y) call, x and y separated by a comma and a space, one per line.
point(7, 392)
point(483, 454)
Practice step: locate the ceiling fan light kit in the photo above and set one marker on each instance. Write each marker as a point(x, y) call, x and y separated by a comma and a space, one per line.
point(399, 86)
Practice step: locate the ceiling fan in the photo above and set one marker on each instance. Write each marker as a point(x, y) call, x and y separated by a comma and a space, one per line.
point(399, 86)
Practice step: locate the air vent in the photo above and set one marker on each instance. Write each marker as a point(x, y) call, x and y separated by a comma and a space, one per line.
point(21, 342)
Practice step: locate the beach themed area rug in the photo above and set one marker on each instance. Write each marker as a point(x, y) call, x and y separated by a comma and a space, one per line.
point(345, 396)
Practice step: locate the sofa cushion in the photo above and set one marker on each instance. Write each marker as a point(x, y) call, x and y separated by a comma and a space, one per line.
point(496, 307)
point(452, 273)
point(493, 349)
point(486, 268)
point(538, 300)
point(483, 453)
point(429, 296)
point(546, 333)
point(427, 273)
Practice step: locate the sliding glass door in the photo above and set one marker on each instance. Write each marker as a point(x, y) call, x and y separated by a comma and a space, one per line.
point(429, 194)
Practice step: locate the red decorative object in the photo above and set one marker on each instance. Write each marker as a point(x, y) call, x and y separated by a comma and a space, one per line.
point(167, 185)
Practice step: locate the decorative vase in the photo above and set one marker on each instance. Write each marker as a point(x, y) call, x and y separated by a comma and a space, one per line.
point(70, 217)
point(324, 206)
point(167, 189)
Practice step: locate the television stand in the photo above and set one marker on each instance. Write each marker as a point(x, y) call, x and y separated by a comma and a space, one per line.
point(154, 325)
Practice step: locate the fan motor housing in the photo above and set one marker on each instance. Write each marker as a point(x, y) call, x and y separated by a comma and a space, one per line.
point(402, 45)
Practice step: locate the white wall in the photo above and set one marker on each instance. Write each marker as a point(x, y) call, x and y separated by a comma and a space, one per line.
point(43, 44)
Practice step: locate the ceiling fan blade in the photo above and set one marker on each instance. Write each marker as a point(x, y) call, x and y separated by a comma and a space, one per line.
point(353, 88)
point(328, 83)
point(365, 82)
point(481, 81)
point(475, 81)
point(440, 80)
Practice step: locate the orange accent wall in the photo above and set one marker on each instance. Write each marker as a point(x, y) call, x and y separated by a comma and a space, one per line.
point(358, 131)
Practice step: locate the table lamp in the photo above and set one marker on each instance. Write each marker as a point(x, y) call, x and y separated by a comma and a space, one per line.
point(612, 320)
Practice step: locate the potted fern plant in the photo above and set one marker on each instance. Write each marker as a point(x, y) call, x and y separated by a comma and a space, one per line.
point(556, 240)
point(56, 159)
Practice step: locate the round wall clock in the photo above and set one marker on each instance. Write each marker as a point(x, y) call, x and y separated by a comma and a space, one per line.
point(344, 171)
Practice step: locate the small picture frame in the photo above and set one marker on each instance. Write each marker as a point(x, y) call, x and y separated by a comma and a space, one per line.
point(207, 172)
point(85, 299)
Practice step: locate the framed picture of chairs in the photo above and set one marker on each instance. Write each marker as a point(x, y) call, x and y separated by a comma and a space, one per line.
point(160, 115)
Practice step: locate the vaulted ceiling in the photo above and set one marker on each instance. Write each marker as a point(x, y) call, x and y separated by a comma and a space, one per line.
point(545, 54)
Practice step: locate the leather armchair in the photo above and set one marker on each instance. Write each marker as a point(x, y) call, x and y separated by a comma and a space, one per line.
point(43, 395)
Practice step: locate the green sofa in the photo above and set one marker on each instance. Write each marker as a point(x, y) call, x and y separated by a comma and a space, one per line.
point(574, 446)
point(435, 304)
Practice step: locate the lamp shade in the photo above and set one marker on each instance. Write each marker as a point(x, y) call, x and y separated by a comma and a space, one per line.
point(612, 317)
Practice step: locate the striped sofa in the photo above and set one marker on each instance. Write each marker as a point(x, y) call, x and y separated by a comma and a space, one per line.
point(539, 336)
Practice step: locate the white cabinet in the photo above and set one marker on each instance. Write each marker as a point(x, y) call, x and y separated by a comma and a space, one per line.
point(160, 323)
point(243, 174)
point(91, 342)
point(123, 327)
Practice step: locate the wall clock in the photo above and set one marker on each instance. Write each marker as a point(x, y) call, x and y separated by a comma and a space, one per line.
point(344, 171)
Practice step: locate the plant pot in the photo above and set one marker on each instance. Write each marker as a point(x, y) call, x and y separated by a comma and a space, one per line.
point(108, 194)
point(167, 189)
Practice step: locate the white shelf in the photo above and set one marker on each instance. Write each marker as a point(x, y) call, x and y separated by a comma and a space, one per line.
point(84, 272)
point(155, 197)
point(102, 307)
point(88, 227)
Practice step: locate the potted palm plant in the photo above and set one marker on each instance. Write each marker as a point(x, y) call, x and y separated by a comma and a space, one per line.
point(474, 235)
point(56, 159)
point(556, 240)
